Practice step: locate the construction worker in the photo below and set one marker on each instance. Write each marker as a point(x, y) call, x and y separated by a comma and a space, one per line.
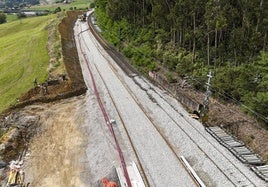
point(35, 82)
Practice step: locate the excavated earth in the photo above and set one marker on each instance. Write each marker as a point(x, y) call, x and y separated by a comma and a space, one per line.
point(38, 113)
point(38, 116)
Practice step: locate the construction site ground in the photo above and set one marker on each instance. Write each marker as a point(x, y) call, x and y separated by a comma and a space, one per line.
point(50, 128)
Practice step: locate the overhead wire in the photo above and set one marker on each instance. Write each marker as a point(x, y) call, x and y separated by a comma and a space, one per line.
point(224, 94)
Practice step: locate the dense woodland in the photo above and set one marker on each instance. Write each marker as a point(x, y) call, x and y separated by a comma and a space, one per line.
point(17, 4)
point(191, 37)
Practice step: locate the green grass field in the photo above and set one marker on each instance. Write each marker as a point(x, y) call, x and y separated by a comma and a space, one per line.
point(79, 4)
point(23, 46)
point(23, 56)
point(11, 17)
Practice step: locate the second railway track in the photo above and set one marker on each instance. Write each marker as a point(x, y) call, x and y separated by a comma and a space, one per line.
point(229, 174)
point(123, 121)
point(152, 123)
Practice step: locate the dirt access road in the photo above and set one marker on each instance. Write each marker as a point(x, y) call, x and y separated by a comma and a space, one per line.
point(68, 149)
point(55, 153)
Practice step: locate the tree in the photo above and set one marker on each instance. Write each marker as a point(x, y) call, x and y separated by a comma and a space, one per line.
point(21, 15)
point(92, 5)
point(3, 18)
point(58, 9)
point(182, 35)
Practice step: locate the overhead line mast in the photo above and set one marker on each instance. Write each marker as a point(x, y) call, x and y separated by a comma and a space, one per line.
point(205, 110)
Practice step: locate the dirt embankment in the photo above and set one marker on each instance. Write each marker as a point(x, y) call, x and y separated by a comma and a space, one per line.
point(15, 130)
point(58, 86)
point(70, 56)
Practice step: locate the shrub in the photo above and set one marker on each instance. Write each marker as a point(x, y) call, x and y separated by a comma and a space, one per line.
point(3, 18)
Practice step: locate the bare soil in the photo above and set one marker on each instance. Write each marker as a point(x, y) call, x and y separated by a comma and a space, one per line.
point(40, 114)
point(55, 153)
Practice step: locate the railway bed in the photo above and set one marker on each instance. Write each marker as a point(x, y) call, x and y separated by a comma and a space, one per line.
point(179, 120)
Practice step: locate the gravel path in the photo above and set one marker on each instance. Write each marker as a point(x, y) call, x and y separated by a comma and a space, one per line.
point(212, 162)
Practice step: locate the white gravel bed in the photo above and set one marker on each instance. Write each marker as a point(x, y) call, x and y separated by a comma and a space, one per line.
point(99, 149)
point(161, 166)
point(192, 151)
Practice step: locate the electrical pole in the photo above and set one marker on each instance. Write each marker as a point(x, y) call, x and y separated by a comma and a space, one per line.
point(204, 113)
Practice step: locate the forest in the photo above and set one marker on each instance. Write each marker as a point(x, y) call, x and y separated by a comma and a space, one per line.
point(17, 4)
point(192, 37)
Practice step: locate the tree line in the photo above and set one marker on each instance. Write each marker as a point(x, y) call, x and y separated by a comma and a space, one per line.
point(17, 4)
point(191, 37)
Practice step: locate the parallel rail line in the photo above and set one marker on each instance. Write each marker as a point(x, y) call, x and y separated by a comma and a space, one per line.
point(143, 110)
point(152, 123)
point(105, 115)
point(125, 128)
point(128, 69)
point(203, 136)
point(127, 133)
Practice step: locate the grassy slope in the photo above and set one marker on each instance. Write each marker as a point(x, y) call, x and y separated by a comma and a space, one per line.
point(11, 17)
point(79, 4)
point(23, 56)
point(23, 52)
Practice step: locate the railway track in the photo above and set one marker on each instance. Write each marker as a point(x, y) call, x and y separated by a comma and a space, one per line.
point(208, 141)
point(130, 73)
point(152, 123)
point(187, 121)
point(128, 69)
point(130, 140)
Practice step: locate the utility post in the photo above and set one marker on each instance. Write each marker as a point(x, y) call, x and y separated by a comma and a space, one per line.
point(204, 112)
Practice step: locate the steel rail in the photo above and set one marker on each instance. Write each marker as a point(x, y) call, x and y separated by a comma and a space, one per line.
point(105, 115)
point(123, 123)
point(154, 125)
point(148, 117)
point(125, 128)
point(108, 49)
point(189, 136)
point(203, 136)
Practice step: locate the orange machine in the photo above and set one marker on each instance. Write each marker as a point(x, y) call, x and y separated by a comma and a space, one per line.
point(107, 183)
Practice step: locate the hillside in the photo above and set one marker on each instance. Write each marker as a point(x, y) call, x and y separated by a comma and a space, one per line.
point(17, 3)
point(24, 56)
point(57, 86)
point(190, 38)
